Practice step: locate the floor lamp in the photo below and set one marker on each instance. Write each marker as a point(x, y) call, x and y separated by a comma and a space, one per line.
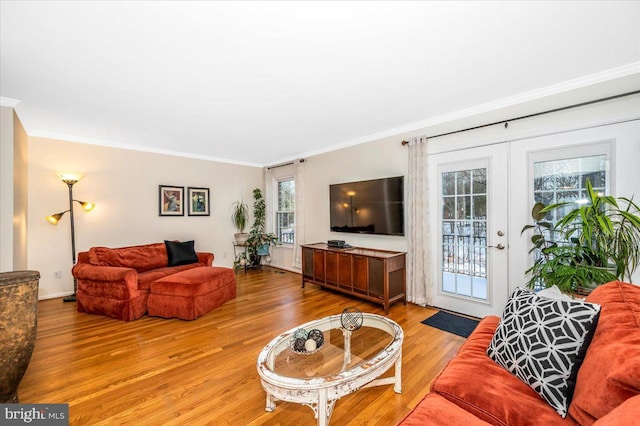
point(71, 180)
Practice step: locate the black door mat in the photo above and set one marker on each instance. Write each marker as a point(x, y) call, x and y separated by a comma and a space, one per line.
point(452, 323)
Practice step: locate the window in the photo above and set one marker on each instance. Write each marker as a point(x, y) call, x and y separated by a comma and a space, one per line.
point(563, 180)
point(285, 213)
point(464, 232)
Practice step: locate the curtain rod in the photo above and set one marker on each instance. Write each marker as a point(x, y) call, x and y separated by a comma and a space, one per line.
point(284, 164)
point(506, 122)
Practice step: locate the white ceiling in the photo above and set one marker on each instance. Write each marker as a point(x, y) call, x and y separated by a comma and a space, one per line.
point(263, 82)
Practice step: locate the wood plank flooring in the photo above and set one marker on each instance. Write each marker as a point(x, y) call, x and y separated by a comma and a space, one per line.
point(156, 371)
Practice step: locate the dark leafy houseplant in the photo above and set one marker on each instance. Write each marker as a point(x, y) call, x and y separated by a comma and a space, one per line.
point(240, 260)
point(596, 242)
point(257, 236)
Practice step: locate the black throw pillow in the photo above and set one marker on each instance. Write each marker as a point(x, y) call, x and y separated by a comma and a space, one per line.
point(543, 341)
point(181, 253)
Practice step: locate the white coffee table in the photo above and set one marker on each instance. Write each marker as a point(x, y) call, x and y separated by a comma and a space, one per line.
point(346, 362)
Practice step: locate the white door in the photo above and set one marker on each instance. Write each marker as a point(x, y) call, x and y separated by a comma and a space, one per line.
point(607, 155)
point(469, 199)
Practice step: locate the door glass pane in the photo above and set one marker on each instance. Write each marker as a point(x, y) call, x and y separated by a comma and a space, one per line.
point(448, 207)
point(463, 207)
point(448, 183)
point(564, 181)
point(463, 182)
point(464, 233)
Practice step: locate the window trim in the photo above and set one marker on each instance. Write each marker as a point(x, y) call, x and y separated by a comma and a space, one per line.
point(277, 211)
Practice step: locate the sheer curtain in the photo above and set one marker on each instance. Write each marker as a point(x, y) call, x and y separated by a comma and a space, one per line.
point(419, 282)
point(268, 199)
point(298, 235)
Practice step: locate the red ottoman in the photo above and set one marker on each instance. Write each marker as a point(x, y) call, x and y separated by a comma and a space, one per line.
point(192, 293)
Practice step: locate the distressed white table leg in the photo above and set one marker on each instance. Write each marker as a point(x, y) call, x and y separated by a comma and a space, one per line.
point(397, 388)
point(271, 405)
point(323, 419)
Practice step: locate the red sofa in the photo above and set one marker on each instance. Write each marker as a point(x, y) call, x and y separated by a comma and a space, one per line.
point(473, 390)
point(117, 282)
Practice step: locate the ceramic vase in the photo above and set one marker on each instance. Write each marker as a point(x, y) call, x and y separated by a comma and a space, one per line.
point(263, 249)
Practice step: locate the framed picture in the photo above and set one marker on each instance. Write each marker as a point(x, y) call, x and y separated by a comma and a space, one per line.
point(198, 201)
point(171, 200)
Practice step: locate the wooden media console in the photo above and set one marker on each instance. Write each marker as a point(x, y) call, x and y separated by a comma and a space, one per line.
point(374, 275)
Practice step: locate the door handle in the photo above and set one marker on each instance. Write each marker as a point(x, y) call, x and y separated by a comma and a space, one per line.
point(499, 246)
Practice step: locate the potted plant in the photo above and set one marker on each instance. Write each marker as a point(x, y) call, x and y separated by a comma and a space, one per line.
point(240, 260)
point(595, 242)
point(259, 241)
point(240, 217)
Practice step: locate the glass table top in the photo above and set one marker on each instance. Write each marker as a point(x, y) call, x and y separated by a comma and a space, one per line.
point(364, 345)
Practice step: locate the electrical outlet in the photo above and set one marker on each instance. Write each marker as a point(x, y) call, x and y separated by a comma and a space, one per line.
point(58, 274)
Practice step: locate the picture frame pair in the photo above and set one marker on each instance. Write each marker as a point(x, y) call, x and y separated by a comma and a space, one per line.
point(172, 201)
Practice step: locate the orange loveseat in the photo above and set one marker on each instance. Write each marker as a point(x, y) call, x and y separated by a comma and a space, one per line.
point(474, 390)
point(118, 282)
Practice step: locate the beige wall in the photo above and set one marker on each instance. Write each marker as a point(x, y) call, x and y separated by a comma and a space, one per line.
point(124, 186)
point(373, 160)
point(13, 192)
point(20, 188)
point(6, 189)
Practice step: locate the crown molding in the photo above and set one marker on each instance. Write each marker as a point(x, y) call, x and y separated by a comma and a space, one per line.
point(533, 95)
point(110, 144)
point(8, 102)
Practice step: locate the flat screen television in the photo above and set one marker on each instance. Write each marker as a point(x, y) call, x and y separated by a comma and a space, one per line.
point(368, 207)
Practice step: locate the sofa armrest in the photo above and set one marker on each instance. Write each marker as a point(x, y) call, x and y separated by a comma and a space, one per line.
point(83, 257)
point(205, 258)
point(106, 275)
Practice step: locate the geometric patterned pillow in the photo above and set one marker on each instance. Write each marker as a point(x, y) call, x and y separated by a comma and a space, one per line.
point(543, 342)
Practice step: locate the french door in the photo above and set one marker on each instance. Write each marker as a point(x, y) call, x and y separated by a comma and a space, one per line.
point(469, 199)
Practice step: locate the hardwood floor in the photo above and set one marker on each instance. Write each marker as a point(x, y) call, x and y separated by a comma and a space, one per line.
point(156, 371)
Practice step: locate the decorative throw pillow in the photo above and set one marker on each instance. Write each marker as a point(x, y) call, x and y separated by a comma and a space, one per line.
point(543, 342)
point(181, 253)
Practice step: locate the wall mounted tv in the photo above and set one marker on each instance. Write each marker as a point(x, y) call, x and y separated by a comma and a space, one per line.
point(368, 207)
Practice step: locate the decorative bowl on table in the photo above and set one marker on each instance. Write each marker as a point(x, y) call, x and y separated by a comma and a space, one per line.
point(306, 342)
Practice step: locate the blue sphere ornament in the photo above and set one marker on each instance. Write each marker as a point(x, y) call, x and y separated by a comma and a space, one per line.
point(301, 333)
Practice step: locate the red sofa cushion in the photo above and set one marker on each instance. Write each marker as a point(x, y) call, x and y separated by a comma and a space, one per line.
point(192, 293)
point(193, 282)
point(141, 258)
point(610, 373)
point(496, 396)
point(147, 277)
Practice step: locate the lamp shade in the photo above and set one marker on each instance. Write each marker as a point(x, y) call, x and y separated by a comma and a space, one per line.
point(54, 218)
point(69, 178)
point(87, 206)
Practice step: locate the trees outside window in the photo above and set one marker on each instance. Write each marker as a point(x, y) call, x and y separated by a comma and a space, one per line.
point(285, 212)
